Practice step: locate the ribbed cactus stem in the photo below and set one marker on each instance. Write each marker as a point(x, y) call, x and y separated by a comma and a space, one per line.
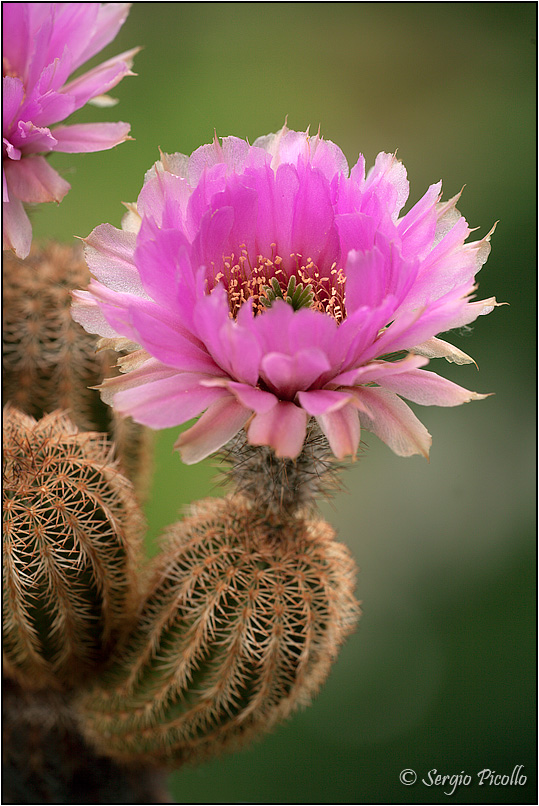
point(50, 362)
point(243, 619)
point(71, 542)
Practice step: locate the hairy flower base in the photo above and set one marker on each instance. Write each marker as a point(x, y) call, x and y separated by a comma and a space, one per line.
point(265, 286)
point(281, 487)
point(244, 617)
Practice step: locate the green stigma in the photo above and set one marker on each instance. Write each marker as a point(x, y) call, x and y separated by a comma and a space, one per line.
point(295, 295)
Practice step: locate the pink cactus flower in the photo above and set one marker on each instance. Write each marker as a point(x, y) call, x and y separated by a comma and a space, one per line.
point(43, 43)
point(265, 285)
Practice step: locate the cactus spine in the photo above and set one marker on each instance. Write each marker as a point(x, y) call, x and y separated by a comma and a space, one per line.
point(244, 616)
point(71, 540)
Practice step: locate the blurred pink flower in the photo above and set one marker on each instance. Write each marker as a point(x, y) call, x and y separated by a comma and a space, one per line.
point(43, 43)
point(264, 285)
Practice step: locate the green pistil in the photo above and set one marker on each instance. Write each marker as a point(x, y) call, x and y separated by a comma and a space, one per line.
point(295, 295)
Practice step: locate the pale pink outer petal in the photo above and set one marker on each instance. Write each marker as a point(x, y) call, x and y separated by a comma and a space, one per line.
point(88, 137)
point(327, 157)
point(471, 311)
point(388, 179)
point(270, 142)
point(101, 79)
point(32, 139)
point(387, 416)
point(12, 152)
point(131, 220)
point(166, 402)
point(16, 228)
point(215, 428)
point(447, 265)
point(87, 312)
point(321, 401)
point(12, 96)
point(282, 428)
point(447, 216)
point(418, 227)
point(249, 396)
point(233, 153)
point(287, 146)
point(416, 326)
point(147, 372)
point(357, 174)
point(109, 254)
point(342, 430)
point(110, 18)
point(429, 389)
point(438, 348)
point(33, 180)
point(176, 163)
point(377, 371)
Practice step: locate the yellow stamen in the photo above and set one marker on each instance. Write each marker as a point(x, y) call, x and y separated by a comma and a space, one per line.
point(244, 281)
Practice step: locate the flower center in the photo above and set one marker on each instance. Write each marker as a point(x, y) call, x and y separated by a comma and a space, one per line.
point(302, 285)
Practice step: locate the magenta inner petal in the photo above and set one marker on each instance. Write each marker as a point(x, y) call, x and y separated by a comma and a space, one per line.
point(167, 402)
point(215, 428)
point(342, 429)
point(283, 428)
point(286, 375)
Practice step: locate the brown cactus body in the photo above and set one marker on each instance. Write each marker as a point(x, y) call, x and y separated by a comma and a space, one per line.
point(71, 540)
point(50, 362)
point(244, 617)
point(46, 760)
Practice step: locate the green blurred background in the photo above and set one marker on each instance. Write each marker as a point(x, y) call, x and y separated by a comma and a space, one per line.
point(440, 673)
